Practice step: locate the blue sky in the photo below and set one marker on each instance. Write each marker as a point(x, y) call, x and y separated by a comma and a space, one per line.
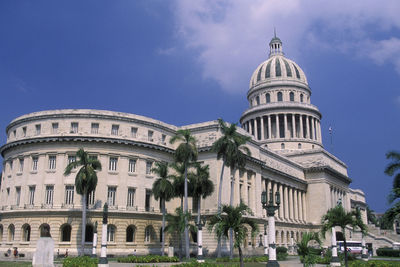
point(185, 62)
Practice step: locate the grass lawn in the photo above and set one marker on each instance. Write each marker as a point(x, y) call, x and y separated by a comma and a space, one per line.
point(15, 263)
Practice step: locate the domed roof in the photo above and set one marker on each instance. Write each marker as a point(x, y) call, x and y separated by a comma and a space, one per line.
point(278, 68)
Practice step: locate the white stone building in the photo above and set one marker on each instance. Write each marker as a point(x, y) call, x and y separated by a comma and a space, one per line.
point(287, 155)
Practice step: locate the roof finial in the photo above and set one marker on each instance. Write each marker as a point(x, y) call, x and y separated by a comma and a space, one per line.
point(274, 32)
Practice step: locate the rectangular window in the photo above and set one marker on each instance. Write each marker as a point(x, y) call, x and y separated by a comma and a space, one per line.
point(21, 165)
point(38, 129)
point(248, 196)
point(133, 132)
point(149, 164)
point(113, 164)
point(114, 129)
point(90, 199)
point(147, 200)
point(95, 128)
point(15, 133)
point(132, 165)
point(131, 197)
point(35, 163)
point(74, 127)
point(150, 136)
point(49, 195)
point(112, 190)
point(163, 137)
point(52, 162)
point(31, 195)
point(69, 194)
point(23, 131)
point(11, 165)
point(71, 159)
point(54, 127)
point(17, 196)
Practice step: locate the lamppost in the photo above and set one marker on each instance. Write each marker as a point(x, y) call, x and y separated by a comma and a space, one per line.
point(271, 208)
point(103, 262)
point(94, 240)
point(265, 240)
point(200, 239)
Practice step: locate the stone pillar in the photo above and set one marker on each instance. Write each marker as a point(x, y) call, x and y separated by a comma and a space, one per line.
point(200, 243)
point(313, 128)
point(281, 212)
point(262, 128)
point(251, 126)
point(296, 208)
point(269, 127)
point(285, 131)
point(103, 262)
point(290, 193)
point(335, 260)
point(286, 202)
point(277, 126)
point(300, 203)
point(304, 206)
point(294, 125)
point(307, 128)
point(272, 244)
point(301, 126)
point(320, 133)
point(275, 187)
point(256, 128)
point(265, 240)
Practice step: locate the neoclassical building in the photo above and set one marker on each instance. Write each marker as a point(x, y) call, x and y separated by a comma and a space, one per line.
point(287, 156)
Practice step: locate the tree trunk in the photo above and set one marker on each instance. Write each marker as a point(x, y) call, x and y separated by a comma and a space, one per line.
point(241, 256)
point(163, 227)
point(185, 211)
point(221, 178)
point(231, 204)
point(345, 252)
point(84, 196)
point(180, 245)
point(198, 210)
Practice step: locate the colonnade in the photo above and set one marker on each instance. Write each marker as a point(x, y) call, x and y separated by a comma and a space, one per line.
point(293, 201)
point(337, 194)
point(244, 189)
point(285, 125)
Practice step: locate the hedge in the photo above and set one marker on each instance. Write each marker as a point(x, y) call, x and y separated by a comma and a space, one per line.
point(147, 259)
point(245, 259)
point(387, 252)
point(373, 263)
point(80, 262)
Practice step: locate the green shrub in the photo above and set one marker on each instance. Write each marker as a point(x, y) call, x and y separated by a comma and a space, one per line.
point(281, 250)
point(147, 259)
point(80, 262)
point(245, 259)
point(372, 263)
point(203, 264)
point(315, 251)
point(387, 252)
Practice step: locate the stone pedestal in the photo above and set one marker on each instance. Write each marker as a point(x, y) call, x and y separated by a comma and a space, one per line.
point(170, 251)
point(44, 254)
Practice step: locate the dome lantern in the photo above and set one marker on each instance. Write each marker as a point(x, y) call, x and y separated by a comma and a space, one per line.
point(275, 46)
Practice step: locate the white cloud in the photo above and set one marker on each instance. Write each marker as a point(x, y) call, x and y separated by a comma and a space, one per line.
point(231, 37)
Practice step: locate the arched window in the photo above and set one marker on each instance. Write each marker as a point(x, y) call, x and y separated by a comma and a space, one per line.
point(257, 100)
point(280, 98)
point(149, 235)
point(291, 95)
point(26, 233)
point(299, 146)
point(267, 98)
point(1, 232)
point(111, 233)
point(89, 233)
point(130, 233)
point(282, 146)
point(44, 230)
point(301, 98)
point(66, 233)
point(11, 232)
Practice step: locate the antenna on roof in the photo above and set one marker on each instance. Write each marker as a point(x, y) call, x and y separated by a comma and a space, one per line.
point(274, 32)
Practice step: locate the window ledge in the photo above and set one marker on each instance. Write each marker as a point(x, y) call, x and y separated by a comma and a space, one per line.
point(65, 243)
point(149, 176)
point(113, 172)
point(19, 173)
point(111, 243)
point(24, 242)
point(132, 174)
point(33, 172)
point(133, 244)
point(50, 171)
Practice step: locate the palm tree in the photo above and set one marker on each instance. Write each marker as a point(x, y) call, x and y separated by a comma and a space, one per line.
point(233, 218)
point(393, 169)
point(185, 153)
point(229, 147)
point(303, 250)
point(85, 182)
point(177, 225)
point(163, 190)
point(178, 180)
point(337, 216)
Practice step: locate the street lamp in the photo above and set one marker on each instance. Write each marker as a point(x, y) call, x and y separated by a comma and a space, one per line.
point(265, 240)
point(103, 262)
point(271, 208)
point(200, 239)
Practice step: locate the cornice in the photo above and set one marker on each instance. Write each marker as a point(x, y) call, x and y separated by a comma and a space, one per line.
point(329, 170)
point(266, 85)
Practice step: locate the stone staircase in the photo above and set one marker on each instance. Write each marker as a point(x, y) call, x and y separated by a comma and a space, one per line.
point(389, 234)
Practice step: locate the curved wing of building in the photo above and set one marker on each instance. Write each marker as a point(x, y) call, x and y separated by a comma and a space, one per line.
point(287, 156)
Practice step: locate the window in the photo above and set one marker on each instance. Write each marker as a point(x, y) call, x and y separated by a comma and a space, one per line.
point(163, 137)
point(90, 198)
point(257, 100)
point(132, 165)
point(44, 230)
point(11, 231)
point(291, 96)
point(26, 233)
point(279, 96)
point(113, 164)
point(147, 200)
point(110, 233)
point(52, 162)
point(17, 195)
point(23, 131)
point(54, 127)
point(282, 146)
point(112, 190)
point(66, 233)
point(8, 192)
point(95, 128)
point(148, 232)
point(31, 197)
point(21, 165)
point(114, 129)
point(268, 98)
point(37, 129)
point(299, 146)
point(130, 233)
point(133, 132)
point(49, 195)
point(35, 163)
point(69, 194)
point(1, 233)
point(71, 159)
point(149, 164)
point(150, 136)
point(15, 133)
point(11, 165)
point(301, 98)
point(131, 197)
point(89, 233)
point(74, 127)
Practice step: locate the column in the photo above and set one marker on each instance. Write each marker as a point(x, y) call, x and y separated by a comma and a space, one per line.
point(301, 126)
point(286, 200)
point(269, 127)
point(296, 215)
point(294, 125)
point(304, 206)
point(281, 212)
point(313, 128)
point(256, 128)
point(277, 126)
point(274, 188)
point(300, 203)
point(307, 128)
point(320, 133)
point(285, 131)
point(262, 128)
point(290, 193)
